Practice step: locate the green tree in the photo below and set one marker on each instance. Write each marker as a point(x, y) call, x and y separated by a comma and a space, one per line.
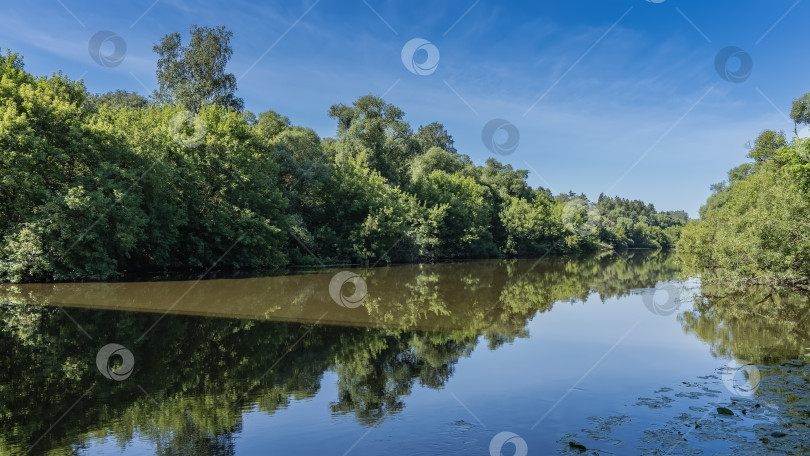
point(436, 159)
point(369, 220)
point(766, 145)
point(459, 217)
point(800, 112)
point(116, 100)
point(758, 235)
point(377, 130)
point(95, 194)
point(504, 180)
point(753, 229)
point(531, 228)
point(11, 61)
point(305, 175)
point(194, 76)
point(434, 135)
point(270, 124)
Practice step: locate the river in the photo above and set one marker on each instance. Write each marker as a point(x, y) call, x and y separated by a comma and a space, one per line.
point(602, 354)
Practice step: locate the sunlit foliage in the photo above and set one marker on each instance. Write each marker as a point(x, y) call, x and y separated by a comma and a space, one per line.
point(95, 186)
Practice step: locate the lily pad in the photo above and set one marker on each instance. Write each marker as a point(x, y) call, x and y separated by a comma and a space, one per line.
point(577, 446)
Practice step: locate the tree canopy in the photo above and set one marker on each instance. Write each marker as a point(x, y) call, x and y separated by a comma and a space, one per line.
point(753, 229)
point(194, 76)
point(98, 185)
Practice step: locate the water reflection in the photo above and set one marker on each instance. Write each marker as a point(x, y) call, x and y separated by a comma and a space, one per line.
point(440, 296)
point(230, 347)
point(763, 326)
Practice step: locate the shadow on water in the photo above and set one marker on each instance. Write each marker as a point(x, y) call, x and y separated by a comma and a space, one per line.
point(449, 296)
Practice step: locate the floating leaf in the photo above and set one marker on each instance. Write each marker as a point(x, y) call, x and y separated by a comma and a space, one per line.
point(577, 446)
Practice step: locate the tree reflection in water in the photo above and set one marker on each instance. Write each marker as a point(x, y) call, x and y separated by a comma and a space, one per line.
point(197, 374)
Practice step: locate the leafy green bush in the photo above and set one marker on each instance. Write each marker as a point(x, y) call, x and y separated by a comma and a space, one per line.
point(756, 227)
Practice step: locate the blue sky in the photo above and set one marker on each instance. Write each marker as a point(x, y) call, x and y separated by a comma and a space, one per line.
point(615, 96)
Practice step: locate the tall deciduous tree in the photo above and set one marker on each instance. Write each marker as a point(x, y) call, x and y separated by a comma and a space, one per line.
point(194, 76)
point(800, 113)
point(766, 145)
point(435, 135)
point(377, 128)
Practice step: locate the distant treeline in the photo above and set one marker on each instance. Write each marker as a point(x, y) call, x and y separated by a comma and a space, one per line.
point(94, 186)
point(755, 228)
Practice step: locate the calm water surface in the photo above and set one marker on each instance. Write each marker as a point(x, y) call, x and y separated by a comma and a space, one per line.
point(610, 354)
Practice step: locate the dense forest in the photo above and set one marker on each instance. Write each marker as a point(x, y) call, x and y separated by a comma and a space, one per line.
point(755, 228)
point(94, 186)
